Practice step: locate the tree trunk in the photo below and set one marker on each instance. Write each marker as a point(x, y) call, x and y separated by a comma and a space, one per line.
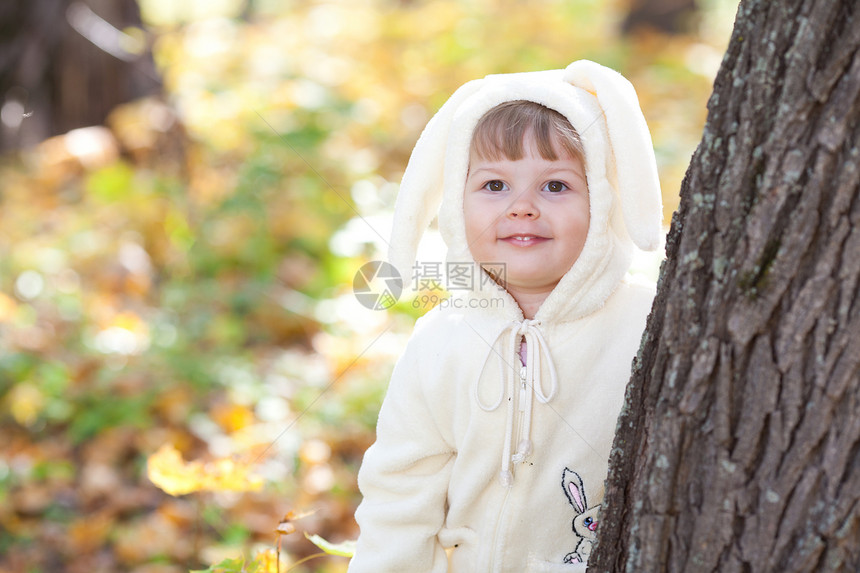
point(667, 16)
point(739, 445)
point(63, 65)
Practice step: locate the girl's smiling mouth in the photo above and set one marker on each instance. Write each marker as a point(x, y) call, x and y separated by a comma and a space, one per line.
point(524, 240)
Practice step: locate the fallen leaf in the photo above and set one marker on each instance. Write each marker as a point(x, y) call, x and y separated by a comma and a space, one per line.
point(167, 470)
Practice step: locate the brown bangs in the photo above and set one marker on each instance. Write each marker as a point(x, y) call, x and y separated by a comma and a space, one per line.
point(501, 133)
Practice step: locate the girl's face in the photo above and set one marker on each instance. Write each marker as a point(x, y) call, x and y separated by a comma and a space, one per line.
point(530, 215)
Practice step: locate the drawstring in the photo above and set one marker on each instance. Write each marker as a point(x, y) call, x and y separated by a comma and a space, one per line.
point(530, 387)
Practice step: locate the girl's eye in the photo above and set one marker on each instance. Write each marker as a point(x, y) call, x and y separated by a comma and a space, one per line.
point(588, 521)
point(494, 185)
point(555, 186)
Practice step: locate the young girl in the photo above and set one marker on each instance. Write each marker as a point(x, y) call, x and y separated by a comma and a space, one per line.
point(493, 439)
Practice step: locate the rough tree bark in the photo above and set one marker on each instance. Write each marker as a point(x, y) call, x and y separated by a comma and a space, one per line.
point(739, 445)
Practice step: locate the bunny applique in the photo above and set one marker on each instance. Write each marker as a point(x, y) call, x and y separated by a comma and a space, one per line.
point(585, 522)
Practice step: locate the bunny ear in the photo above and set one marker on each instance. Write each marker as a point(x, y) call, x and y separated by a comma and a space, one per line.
point(421, 187)
point(576, 496)
point(574, 489)
point(635, 165)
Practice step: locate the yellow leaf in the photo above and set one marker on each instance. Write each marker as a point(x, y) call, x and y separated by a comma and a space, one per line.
point(232, 417)
point(7, 308)
point(267, 561)
point(167, 470)
point(26, 402)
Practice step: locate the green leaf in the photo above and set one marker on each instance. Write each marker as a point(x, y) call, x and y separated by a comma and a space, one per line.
point(111, 183)
point(344, 549)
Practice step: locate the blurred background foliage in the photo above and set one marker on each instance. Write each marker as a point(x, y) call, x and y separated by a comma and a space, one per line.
point(186, 192)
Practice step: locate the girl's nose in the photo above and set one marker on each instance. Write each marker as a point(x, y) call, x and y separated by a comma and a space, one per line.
point(523, 207)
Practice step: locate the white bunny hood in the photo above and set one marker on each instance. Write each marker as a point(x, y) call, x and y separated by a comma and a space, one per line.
point(621, 171)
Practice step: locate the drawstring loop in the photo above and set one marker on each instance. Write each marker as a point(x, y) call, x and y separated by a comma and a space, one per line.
point(531, 387)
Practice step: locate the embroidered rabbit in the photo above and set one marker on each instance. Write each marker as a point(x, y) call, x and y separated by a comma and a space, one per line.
point(585, 522)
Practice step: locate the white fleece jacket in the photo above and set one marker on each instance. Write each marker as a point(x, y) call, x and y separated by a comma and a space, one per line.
point(500, 464)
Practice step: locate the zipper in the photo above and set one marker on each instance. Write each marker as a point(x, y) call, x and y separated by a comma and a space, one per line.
point(494, 568)
point(521, 406)
point(521, 409)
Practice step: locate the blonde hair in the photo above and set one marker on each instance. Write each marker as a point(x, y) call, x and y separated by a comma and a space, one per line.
point(501, 132)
